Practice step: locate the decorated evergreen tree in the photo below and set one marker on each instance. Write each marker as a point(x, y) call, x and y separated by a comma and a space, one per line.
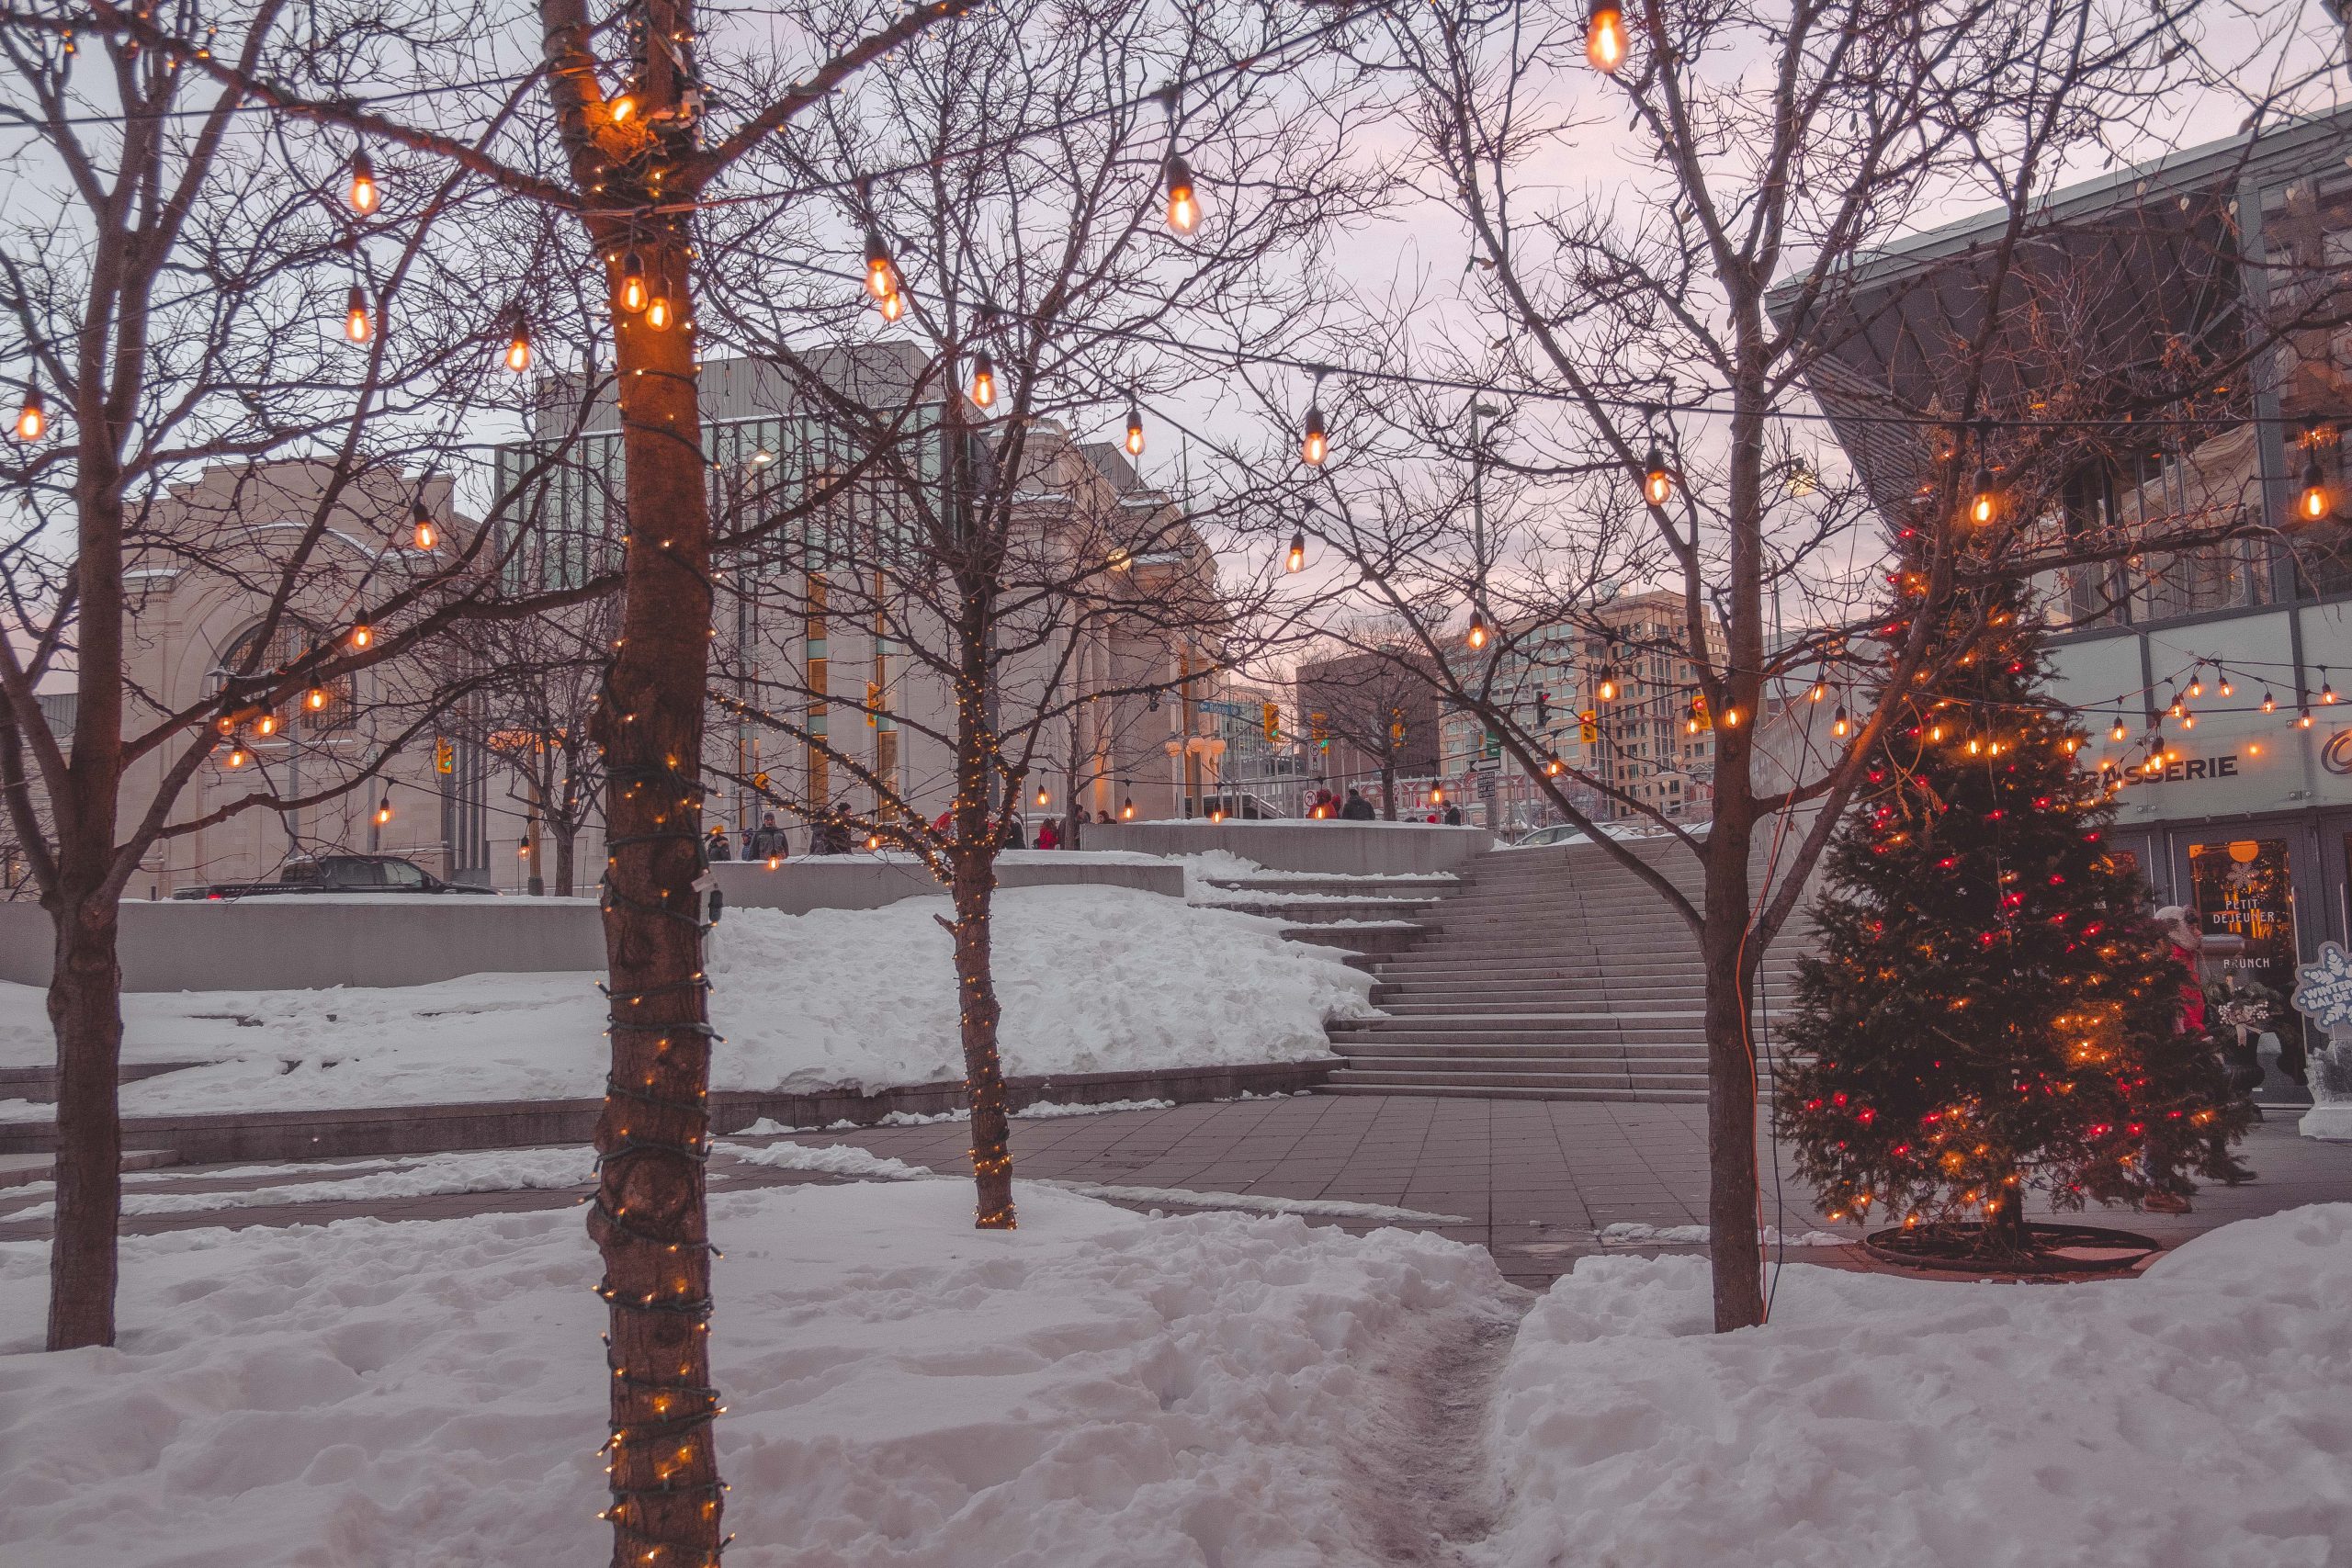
point(1993, 1009)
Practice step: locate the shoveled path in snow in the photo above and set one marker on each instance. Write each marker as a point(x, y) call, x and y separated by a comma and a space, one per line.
point(1534, 1182)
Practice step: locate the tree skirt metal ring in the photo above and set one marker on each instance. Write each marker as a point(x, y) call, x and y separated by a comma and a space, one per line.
point(2058, 1249)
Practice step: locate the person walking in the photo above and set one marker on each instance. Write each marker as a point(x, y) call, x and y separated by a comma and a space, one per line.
point(829, 836)
point(1358, 809)
point(766, 841)
point(718, 849)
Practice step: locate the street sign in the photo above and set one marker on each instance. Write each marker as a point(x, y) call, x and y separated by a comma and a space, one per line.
point(1486, 764)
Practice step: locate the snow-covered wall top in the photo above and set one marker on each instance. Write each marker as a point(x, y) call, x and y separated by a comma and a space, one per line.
point(1335, 849)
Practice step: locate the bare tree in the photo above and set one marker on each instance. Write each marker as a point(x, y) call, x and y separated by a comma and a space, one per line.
point(533, 690)
point(1371, 711)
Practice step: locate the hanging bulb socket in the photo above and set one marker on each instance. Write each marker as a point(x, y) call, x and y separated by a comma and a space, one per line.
point(384, 811)
point(1478, 634)
point(1657, 480)
point(881, 275)
point(32, 416)
point(1985, 502)
point(983, 387)
point(660, 312)
point(1135, 429)
point(363, 194)
point(892, 305)
point(1295, 559)
point(1604, 36)
point(356, 326)
point(632, 295)
point(1838, 724)
point(518, 344)
point(1606, 690)
point(423, 534)
point(1183, 202)
point(1314, 445)
point(2311, 505)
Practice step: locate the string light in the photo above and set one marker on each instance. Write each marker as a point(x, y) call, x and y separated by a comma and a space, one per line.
point(1986, 504)
point(2304, 719)
point(623, 107)
point(266, 725)
point(355, 324)
point(1183, 206)
point(361, 636)
point(1604, 36)
point(632, 296)
point(1606, 690)
point(1127, 809)
point(32, 418)
point(1839, 725)
point(658, 312)
point(881, 275)
point(2270, 703)
point(2225, 688)
point(2327, 692)
point(2118, 732)
point(364, 195)
point(1477, 635)
point(423, 534)
point(983, 391)
point(1657, 480)
point(892, 305)
point(1314, 445)
point(316, 699)
point(384, 811)
point(1135, 429)
point(1295, 559)
point(1820, 690)
point(236, 758)
point(1043, 798)
point(2196, 682)
point(2312, 504)
point(518, 345)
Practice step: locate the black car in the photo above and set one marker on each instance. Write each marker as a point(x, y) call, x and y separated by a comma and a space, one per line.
point(337, 874)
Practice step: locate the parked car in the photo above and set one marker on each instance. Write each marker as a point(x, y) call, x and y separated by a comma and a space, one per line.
point(1557, 833)
point(337, 874)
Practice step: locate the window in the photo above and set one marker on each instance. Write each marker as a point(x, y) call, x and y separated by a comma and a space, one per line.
point(288, 643)
point(401, 874)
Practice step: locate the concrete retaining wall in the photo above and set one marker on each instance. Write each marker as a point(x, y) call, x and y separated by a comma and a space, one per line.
point(1343, 848)
point(868, 882)
point(306, 940)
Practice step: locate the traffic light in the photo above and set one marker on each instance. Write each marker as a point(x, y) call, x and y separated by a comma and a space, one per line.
point(1315, 732)
point(1589, 727)
point(1274, 721)
point(1543, 710)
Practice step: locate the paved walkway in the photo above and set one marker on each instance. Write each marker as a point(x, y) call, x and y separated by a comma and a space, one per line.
point(1533, 1181)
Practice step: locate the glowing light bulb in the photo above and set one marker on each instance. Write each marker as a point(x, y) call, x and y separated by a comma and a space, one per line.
point(361, 636)
point(658, 312)
point(423, 533)
point(1985, 504)
point(266, 725)
point(1658, 480)
point(2118, 732)
point(632, 295)
point(316, 699)
point(881, 276)
point(2196, 682)
point(1295, 559)
point(363, 195)
point(1314, 445)
point(1043, 798)
point(1604, 36)
point(983, 390)
point(518, 345)
point(2311, 505)
point(1606, 690)
point(892, 305)
point(1183, 204)
point(355, 324)
point(623, 107)
point(2225, 689)
point(236, 758)
point(1477, 637)
point(1819, 690)
point(1127, 810)
point(2270, 703)
point(1135, 431)
point(384, 811)
point(1839, 725)
point(32, 419)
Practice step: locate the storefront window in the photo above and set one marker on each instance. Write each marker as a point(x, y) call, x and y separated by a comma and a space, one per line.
point(2245, 908)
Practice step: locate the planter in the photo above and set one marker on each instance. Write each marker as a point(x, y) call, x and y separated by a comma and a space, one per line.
point(2059, 1250)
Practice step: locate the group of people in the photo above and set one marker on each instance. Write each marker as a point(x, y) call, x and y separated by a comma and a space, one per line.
point(1326, 806)
point(770, 842)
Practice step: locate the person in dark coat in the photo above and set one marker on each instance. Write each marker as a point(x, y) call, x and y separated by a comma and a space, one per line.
point(1358, 809)
point(718, 848)
point(766, 841)
point(1454, 817)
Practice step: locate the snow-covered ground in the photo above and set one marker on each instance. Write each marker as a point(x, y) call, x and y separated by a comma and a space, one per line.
point(1091, 979)
point(2198, 1418)
point(1094, 1388)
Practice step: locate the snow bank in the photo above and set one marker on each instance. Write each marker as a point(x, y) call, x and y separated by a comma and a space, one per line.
point(1091, 979)
point(2199, 1417)
point(1095, 1388)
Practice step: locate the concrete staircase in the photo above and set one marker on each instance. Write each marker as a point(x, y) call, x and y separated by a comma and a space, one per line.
point(1370, 916)
point(1552, 973)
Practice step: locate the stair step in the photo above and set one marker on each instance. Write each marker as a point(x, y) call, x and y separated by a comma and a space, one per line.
point(23, 1170)
point(1483, 1091)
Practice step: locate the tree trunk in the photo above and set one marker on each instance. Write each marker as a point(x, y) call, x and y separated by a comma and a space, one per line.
point(2006, 1232)
point(1388, 791)
point(85, 1014)
point(975, 890)
point(648, 1219)
point(1734, 1245)
point(566, 843)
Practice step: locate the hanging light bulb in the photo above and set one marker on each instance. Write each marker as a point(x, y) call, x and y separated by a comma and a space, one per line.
point(1731, 718)
point(1658, 480)
point(1294, 558)
point(2176, 709)
point(315, 700)
point(2118, 732)
point(236, 758)
point(1604, 36)
point(2189, 721)
point(32, 419)
point(2196, 682)
point(983, 381)
point(1935, 732)
point(1606, 690)
point(2327, 692)
point(658, 312)
point(1135, 429)
point(1985, 504)
point(2225, 689)
point(518, 345)
point(1554, 767)
point(423, 534)
point(632, 295)
point(2311, 505)
point(623, 107)
point(1043, 798)
point(1314, 446)
point(1477, 637)
point(2270, 703)
point(1974, 746)
point(355, 324)
point(2304, 719)
point(226, 723)
point(384, 811)
point(892, 305)
point(1127, 809)
point(363, 195)
point(266, 725)
point(1820, 690)
point(1839, 725)
point(361, 636)
point(1183, 206)
point(881, 276)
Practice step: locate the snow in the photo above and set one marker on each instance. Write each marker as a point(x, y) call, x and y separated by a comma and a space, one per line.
point(836, 1160)
point(1256, 1203)
point(1632, 1233)
point(1094, 1388)
point(2198, 1418)
point(490, 1171)
point(1091, 979)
